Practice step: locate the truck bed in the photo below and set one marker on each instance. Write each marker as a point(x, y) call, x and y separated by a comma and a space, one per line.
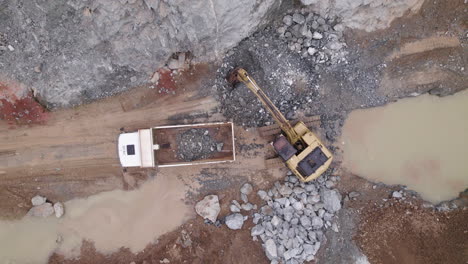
point(166, 138)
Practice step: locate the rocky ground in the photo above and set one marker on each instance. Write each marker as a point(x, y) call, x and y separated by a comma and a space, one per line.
point(340, 218)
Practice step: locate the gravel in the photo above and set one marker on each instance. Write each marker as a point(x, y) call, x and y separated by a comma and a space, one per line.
point(196, 144)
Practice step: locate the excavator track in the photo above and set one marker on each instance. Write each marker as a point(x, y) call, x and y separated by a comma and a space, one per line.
point(272, 130)
point(274, 163)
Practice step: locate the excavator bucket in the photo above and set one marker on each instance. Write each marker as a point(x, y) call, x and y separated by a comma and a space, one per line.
point(232, 77)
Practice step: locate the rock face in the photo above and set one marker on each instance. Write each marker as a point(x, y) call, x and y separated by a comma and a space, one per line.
point(43, 210)
point(208, 208)
point(71, 52)
point(367, 15)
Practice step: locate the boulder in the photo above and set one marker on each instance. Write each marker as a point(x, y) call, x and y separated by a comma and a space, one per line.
point(270, 249)
point(208, 208)
point(43, 210)
point(38, 200)
point(234, 221)
point(331, 200)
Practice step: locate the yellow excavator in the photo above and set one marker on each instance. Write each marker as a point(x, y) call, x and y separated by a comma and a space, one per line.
point(302, 151)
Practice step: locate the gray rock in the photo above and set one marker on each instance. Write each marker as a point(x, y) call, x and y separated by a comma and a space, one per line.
point(275, 221)
point(267, 210)
point(298, 206)
point(234, 208)
point(331, 200)
point(298, 18)
point(321, 21)
point(335, 227)
point(270, 249)
point(257, 230)
point(247, 206)
point(246, 188)
point(309, 249)
point(288, 20)
point(234, 221)
point(285, 190)
point(236, 203)
point(208, 208)
point(59, 210)
point(329, 184)
point(317, 222)
point(291, 253)
point(244, 198)
point(353, 194)
point(294, 221)
point(305, 221)
point(38, 200)
point(397, 195)
point(43, 210)
point(256, 218)
point(281, 30)
point(298, 190)
point(311, 51)
point(262, 194)
point(317, 35)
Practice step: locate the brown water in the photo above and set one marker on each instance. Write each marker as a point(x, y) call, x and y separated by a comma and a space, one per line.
point(419, 142)
point(111, 220)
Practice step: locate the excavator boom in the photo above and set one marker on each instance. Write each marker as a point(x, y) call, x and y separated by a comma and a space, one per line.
point(241, 75)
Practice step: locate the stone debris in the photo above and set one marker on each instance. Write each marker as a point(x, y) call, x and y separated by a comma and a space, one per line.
point(397, 194)
point(314, 37)
point(43, 210)
point(246, 188)
point(38, 200)
point(234, 221)
point(208, 208)
point(196, 144)
point(292, 224)
point(58, 208)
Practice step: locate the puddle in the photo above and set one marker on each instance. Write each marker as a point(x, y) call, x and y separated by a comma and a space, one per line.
point(419, 142)
point(130, 219)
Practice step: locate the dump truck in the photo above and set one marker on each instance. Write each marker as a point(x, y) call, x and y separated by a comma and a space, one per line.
point(302, 151)
point(177, 145)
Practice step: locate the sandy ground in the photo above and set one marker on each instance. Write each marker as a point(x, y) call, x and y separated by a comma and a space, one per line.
point(72, 153)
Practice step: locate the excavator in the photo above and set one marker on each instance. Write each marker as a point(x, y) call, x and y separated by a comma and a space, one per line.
point(301, 150)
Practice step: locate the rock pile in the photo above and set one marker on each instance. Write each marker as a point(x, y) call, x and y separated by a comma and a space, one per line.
point(292, 223)
point(317, 38)
point(236, 220)
point(196, 144)
point(42, 208)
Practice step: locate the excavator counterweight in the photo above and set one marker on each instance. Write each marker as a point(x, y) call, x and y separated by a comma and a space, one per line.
point(298, 147)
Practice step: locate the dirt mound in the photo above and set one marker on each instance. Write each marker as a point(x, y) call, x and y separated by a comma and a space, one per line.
point(196, 144)
point(403, 233)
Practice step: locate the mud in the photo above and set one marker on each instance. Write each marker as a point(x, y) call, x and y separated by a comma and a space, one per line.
point(197, 144)
point(417, 142)
point(109, 220)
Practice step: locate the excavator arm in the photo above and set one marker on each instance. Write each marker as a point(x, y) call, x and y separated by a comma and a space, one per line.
point(241, 75)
